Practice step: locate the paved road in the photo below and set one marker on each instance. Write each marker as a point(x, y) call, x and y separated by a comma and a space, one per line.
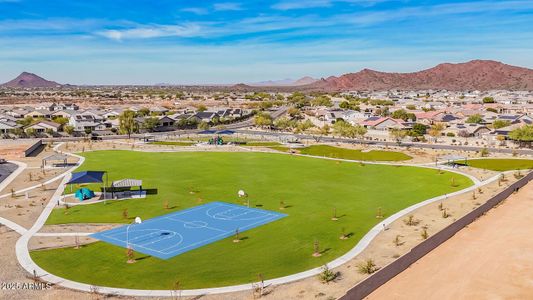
point(282, 135)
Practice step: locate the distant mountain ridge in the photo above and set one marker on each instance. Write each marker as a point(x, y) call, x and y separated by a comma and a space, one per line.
point(472, 75)
point(285, 82)
point(30, 80)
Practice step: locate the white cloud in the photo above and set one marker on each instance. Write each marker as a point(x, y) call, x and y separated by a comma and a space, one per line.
point(196, 10)
point(154, 31)
point(297, 4)
point(227, 6)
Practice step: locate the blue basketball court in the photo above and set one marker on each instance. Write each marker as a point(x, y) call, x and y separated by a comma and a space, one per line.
point(175, 233)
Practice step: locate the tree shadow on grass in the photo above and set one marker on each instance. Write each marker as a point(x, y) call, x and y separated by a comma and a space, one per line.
point(143, 257)
point(324, 251)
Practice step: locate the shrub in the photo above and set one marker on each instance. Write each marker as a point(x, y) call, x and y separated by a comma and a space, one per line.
point(397, 241)
point(411, 221)
point(327, 275)
point(367, 267)
point(424, 234)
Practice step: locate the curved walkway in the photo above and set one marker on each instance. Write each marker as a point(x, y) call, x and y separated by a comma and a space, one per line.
point(29, 265)
point(55, 178)
point(14, 226)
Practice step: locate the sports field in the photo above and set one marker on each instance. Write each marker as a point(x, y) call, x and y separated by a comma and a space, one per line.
point(501, 164)
point(310, 189)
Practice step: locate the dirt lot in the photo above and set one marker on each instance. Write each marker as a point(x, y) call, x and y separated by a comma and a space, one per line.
point(11, 273)
point(491, 259)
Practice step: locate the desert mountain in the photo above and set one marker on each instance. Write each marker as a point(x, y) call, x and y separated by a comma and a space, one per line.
point(30, 80)
point(472, 75)
point(285, 82)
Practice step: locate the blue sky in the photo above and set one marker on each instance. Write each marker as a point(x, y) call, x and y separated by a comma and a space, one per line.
point(173, 41)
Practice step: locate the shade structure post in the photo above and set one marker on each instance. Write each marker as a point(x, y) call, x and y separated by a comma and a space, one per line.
point(105, 186)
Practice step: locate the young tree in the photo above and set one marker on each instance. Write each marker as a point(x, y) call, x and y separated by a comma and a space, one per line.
point(294, 113)
point(474, 119)
point(500, 124)
point(284, 123)
point(316, 249)
point(435, 130)
point(31, 132)
point(61, 121)
point(359, 131)
point(419, 129)
point(150, 123)
point(263, 120)
point(143, 112)
point(68, 129)
point(319, 132)
point(127, 122)
point(402, 114)
point(322, 100)
point(203, 125)
point(397, 134)
point(523, 135)
point(488, 100)
point(304, 126)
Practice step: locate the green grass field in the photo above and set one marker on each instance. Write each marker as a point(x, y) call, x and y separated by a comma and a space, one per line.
point(189, 142)
point(168, 143)
point(501, 164)
point(310, 188)
point(262, 144)
point(336, 152)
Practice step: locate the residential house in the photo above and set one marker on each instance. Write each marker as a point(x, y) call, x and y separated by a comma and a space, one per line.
point(43, 126)
point(87, 122)
point(205, 116)
point(8, 126)
point(467, 130)
point(384, 123)
point(158, 110)
point(38, 113)
point(62, 114)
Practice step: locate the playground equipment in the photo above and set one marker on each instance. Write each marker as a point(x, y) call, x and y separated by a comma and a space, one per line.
point(217, 140)
point(84, 194)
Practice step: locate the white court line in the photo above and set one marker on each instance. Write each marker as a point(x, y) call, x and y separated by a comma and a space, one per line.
point(265, 218)
point(208, 213)
point(222, 234)
point(143, 247)
point(187, 222)
point(234, 216)
point(176, 213)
